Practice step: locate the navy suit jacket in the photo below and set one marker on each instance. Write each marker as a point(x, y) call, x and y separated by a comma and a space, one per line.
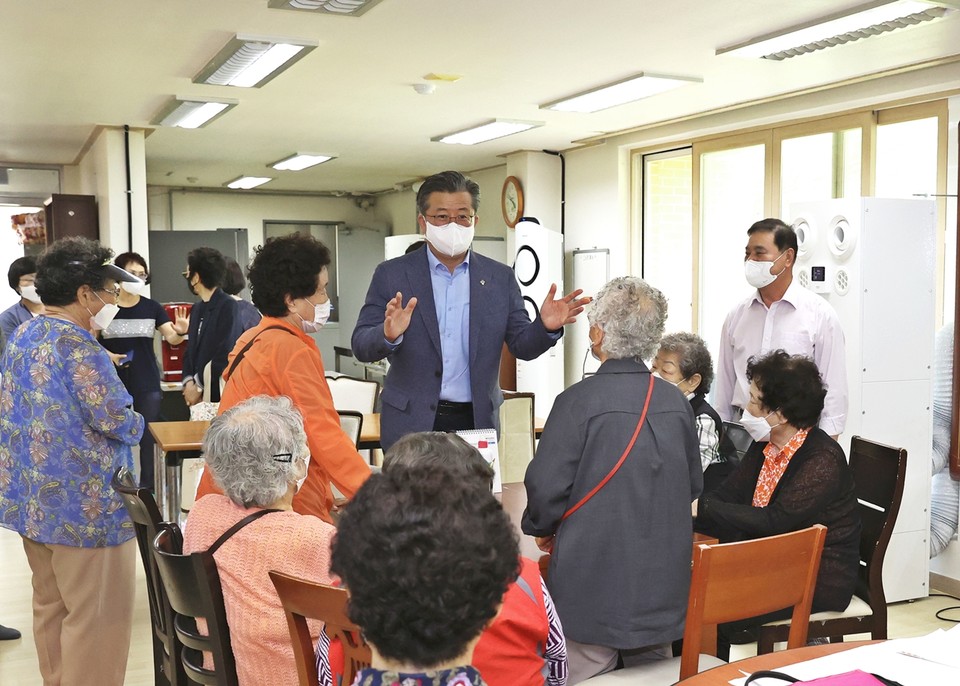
point(412, 387)
point(212, 342)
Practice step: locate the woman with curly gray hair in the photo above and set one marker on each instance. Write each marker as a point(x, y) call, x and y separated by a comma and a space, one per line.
point(609, 492)
point(257, 453)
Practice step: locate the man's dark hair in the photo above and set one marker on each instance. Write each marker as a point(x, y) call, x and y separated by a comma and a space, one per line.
point(67, 265)
point(285, 265)
point(209, 264)
point(427, 557)
point(125, 258)
point(438, 450)
point(20, 267)
point(694, 357)
point(790, 384)
point(233, 281)
point(783, 234)
point(447, 182)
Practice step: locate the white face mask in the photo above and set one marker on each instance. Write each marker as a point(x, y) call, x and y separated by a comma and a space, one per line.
point(450, 240)
point(133, 288)
point(758, 273)
point(757, 427)
point(306, 470)
point(30, 293)
point(321, 313)
point(101, 320)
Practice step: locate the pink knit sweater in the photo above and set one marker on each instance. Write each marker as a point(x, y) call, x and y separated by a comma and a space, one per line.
point(284, 541)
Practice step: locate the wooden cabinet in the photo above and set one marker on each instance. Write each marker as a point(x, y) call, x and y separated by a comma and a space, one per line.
point(72, 215)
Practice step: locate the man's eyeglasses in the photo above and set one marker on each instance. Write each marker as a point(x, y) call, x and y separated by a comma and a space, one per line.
point(444, 219)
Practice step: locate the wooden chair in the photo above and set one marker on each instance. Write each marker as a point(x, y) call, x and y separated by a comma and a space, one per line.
point(351, 422)
point(302, 600)
point(142, 508)
point(878, 477)
point(517, 437)
point(193, 586)
point(734, 581)
point(349, 393)
point(734, 442)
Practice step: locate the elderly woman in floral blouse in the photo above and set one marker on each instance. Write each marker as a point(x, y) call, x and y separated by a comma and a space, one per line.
point(66, 424)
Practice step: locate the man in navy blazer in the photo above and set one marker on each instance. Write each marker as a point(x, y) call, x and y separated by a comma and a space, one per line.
point(444, 343)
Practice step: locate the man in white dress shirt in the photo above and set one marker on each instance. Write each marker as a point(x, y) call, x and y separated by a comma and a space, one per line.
point(781, 314)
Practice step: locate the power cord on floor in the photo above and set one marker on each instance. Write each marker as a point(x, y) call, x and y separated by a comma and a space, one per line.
point(939, 612)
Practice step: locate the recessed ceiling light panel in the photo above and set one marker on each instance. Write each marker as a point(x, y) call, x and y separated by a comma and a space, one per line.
point(343, 8)
point(619, 93)
point(251, 61)
point(497, 128)
point(247, 182)
point(192, 113)
point(300, 160)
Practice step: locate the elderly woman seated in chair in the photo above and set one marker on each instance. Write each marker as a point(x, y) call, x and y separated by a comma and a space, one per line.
point(257, 454)
point(793, 476)
point(426, 556)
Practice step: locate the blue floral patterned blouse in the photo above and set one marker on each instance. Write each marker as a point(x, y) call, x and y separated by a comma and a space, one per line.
point(66, 424)
point(459, 676)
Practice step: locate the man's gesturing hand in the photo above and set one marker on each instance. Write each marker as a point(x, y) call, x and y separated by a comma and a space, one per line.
point(397, 317)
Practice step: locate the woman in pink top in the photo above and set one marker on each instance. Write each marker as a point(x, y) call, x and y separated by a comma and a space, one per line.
point(257, 453)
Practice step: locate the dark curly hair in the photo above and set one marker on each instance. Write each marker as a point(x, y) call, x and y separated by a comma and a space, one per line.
point(285, 265)
point(20, 267)
point(125, 258)
point(439, 450)
point(694, 357)
point(790, 384)
point(427, 557)
point(447, 182)
point(67, 265)
point(209, 264)
point(233, 282)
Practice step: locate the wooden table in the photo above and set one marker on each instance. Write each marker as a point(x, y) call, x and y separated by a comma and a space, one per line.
point(175, 441)
point(370, 431)
point(721, 676)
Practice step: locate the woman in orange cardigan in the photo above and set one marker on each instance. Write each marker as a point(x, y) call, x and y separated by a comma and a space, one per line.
point(288, 283)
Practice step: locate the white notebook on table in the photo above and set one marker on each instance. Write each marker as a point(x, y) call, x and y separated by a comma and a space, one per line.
point(485, 440)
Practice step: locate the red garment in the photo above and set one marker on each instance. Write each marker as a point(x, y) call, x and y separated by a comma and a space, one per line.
point(289, 363)
point(510, 651)
point(774, 465)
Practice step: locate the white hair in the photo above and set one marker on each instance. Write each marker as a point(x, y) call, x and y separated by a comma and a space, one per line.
point(631, 313)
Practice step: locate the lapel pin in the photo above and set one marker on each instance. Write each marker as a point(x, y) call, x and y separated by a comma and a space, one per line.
point(482, 282)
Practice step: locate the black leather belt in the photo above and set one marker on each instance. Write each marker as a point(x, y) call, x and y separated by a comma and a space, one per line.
point(448, 407)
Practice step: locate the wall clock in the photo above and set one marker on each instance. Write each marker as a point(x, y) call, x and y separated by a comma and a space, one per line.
point(511, 201)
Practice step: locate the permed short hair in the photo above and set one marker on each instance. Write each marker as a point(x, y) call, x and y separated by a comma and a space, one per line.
point(632, 314)
point(67, 265)
point(427, 557)
point(233, 281)
point(447, 182)
point(790, 384)
point(209, 264)
point(439, 450)
point(20, 267)
point(256, 449)
point(285, 265)
point(783, 234)
point(694, 357)
point(125, 258)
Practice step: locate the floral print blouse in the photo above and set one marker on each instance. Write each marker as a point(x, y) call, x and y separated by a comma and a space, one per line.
point(66, 424)
point(459, 676)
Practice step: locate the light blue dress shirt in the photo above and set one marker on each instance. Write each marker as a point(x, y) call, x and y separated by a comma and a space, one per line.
point(451, 294)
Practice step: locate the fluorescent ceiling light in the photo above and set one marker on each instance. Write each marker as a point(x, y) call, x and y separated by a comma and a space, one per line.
point(498, 128)
point(344, 8)
point(251, 61)
point(299, 161)
point(248, 182)
point(192, 113)
point(634, 88)
point(864, 21)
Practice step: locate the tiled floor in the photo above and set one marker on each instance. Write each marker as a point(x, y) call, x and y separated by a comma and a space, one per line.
point(18, 659)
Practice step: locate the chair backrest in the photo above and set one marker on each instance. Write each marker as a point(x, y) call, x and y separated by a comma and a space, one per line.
point(143, 510)
point(734, 441)
point(302, 600)
point(354, 394)
point(741, 580)
point(516, 443)
point(193, 587)
point(879, 472)
point(351, 422)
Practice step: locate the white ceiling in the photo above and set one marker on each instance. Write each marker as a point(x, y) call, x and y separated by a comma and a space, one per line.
point(67, 67)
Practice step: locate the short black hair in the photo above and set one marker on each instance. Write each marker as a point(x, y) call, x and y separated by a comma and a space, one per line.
point(125, 258)
point(209, 264)
point(285, 265)
point(20, 267)
point(439, 450)
point(67, 265)
point(233, 282)
point(790, 384)
point(783, 234)
point(694, 357)
point(427, 557)
point(447, 182)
